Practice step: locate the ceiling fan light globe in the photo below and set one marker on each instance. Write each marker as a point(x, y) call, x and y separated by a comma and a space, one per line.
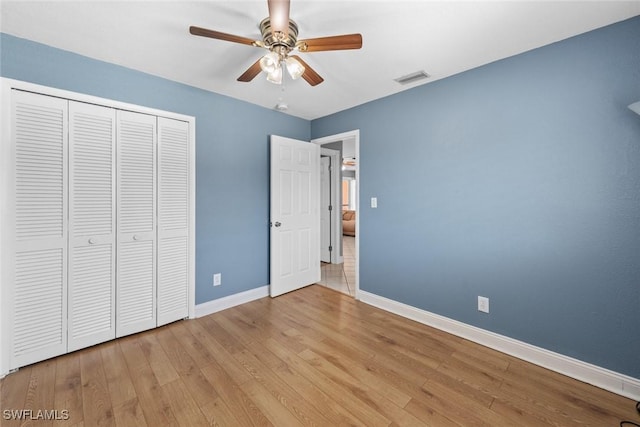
point(295, 68)
point(270, 62)
point(275, 76)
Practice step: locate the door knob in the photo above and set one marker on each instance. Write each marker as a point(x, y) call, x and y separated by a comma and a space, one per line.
point(278, 223)
point(135, 237)
point(92, 241)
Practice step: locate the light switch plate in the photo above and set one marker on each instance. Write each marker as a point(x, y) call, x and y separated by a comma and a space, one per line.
point(374, 202)
point(483, 304)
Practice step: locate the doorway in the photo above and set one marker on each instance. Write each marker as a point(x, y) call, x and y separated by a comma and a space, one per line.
point(342, 272)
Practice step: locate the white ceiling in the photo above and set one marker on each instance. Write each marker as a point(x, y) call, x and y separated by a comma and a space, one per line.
point(399, 37)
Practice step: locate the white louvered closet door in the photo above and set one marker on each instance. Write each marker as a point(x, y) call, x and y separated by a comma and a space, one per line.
point(136, 218)
point(173, 220)
point(38, 299)
point(92, 223)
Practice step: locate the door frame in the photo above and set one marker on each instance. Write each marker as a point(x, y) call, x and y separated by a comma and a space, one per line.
point(355, 135)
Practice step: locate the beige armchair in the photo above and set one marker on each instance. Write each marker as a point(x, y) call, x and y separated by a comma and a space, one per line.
point(349, 223)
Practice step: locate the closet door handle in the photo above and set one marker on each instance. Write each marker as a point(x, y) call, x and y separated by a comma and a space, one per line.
point(92, 241)
point(278, 223)
point(136, 237)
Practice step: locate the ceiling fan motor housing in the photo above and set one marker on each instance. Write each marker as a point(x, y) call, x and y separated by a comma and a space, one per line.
point(278, 41)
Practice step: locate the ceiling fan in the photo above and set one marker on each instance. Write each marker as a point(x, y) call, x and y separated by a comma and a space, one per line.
point(280, 37)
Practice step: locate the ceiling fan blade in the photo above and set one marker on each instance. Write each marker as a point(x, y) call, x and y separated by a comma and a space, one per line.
point(279, 15)
point(197, 31)
point(309, 74)
point(347, 41)
point(251, 72)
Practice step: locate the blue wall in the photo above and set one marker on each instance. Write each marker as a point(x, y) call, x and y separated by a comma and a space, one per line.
point(518, 181)
point(232, 179)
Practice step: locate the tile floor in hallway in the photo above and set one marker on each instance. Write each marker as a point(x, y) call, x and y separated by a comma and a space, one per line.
point(342, 277)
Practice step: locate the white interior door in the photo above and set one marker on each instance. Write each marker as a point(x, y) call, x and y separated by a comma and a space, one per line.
point(37, 303)
point(295, 214)
point(136, 254)
point(92, 225)
point(173, 220)
point(325, 209)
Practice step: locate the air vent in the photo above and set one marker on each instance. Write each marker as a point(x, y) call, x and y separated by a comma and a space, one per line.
point(412, 78)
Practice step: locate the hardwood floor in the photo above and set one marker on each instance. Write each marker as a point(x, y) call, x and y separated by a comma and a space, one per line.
point(311, 357)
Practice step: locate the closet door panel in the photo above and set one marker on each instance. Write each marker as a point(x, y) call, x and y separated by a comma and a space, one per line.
point(92, 223)
point(38, 208)
point(136, 218)
point(173, 220)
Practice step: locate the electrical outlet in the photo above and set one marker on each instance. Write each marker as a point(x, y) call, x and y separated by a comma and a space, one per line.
point(217, 279)
point(483, 304)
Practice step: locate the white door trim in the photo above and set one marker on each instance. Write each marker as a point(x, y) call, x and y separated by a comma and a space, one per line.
point(355, 135)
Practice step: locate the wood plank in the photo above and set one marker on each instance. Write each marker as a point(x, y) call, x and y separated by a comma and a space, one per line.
point(523, 413)
point(478, 377)
point(132, 353)
point(176, 353)
point(250, 342)
point(282, 320)
point(571, 390)
point(224, 337)
point(458, 407)
point(193, 354)
point(269, 405)
point(218, 414)
point(221, 351)
point(361, 391)
point(68, 389)
point(157, 358)
point(366, 371)
point(96, 401)
point(297, 405)
point(118, 377)
point(420, 409)
point(243, 408)
point(40, 396)
point(198, 352)
point(129, 413)
point(343, 395)
point(558, 396)
point(259, 362)
point(360, 340)
point(154, 406)
point(337, 414)
point(13, 394)
point(183, 405)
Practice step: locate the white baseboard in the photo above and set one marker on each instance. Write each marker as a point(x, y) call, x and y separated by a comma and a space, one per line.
point(220, 304)
point(600, 377)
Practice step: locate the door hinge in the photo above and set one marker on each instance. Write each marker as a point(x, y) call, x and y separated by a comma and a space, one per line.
point(330, 248)
point(330, 207)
